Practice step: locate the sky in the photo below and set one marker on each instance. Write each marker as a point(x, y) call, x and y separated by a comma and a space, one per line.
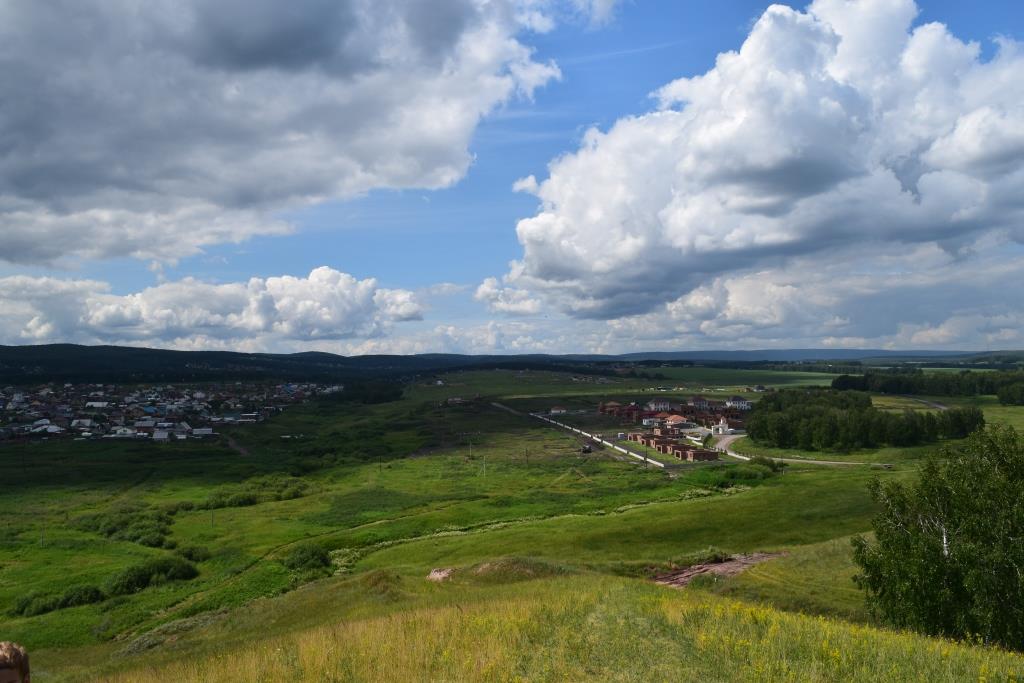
point(510, 176)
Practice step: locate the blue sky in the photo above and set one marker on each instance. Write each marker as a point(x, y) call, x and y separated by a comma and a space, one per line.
point(410, 237)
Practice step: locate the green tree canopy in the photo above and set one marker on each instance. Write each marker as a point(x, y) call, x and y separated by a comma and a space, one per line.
point(948, 555)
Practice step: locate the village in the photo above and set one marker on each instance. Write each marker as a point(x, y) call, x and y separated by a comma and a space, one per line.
point(681, 429)
point(156, 413)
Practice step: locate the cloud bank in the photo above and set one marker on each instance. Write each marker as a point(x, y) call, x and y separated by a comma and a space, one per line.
point(154, 129)
point(832, 130)
point(260, 314)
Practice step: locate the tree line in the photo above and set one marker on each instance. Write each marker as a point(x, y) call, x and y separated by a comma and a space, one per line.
point(1007, 385)
point(822, 419)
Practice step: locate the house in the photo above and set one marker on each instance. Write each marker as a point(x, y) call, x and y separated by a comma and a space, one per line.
point(47, 429)
point(161, 435)
point(699, 403)
point(691, 454)
point(678, 422)
point(557, 410)
point(658, 405)
point(738, 403)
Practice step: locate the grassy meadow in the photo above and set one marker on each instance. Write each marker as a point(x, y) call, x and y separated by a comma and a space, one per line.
point(551, 550)
point(589, 627)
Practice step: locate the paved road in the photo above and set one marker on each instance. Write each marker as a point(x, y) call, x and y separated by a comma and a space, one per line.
point(725, 442)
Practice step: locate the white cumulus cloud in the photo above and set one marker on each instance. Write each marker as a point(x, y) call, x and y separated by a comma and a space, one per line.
point(837, 126)
point(263, 313)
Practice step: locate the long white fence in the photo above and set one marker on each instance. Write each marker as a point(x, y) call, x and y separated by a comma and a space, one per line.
point(639, 456)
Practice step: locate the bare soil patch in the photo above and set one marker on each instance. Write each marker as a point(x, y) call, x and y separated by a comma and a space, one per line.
point(729, 567)
point(440, 575)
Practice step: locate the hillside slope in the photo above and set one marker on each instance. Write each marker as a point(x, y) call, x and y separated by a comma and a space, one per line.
point(583, 627)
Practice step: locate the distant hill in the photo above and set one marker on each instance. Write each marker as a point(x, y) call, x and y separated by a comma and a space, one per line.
point(790, 355)
point(72, 362)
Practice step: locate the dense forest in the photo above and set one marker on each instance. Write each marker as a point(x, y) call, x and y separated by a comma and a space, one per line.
point(1007, 385)
point(823, 419)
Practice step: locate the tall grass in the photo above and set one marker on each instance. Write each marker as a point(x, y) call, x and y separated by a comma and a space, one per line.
point(593, 628)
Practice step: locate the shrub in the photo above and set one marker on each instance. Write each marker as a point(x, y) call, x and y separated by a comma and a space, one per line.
point(157, 570)
point(749, 471)
point(194, 553)
point(31, 604)
point(307, 556)
point(257, 490)
point(81, 595)
point(135, 522)
point(770, 463)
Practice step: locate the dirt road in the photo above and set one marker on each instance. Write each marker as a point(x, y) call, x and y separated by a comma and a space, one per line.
point(725, 442)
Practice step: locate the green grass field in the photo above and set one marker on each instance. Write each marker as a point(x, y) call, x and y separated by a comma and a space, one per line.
point(886, 455)
point(995, 412)
point(581, 627)
point(396, 490)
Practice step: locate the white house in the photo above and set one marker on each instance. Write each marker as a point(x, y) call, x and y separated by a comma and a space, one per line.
point(739, 403)
point(699, 402)
point(658, 405)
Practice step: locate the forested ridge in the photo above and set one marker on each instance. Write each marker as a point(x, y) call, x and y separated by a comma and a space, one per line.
point(1007, 385)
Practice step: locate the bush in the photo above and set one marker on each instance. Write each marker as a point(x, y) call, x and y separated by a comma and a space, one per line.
point(257, 490)
point(194, 553)
point(135, 522)
point(81, 595)
point(749, 471)
point(33, 604)
point(151, 572)
point(175, 508)
point(308, 556)
point(770, 463)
